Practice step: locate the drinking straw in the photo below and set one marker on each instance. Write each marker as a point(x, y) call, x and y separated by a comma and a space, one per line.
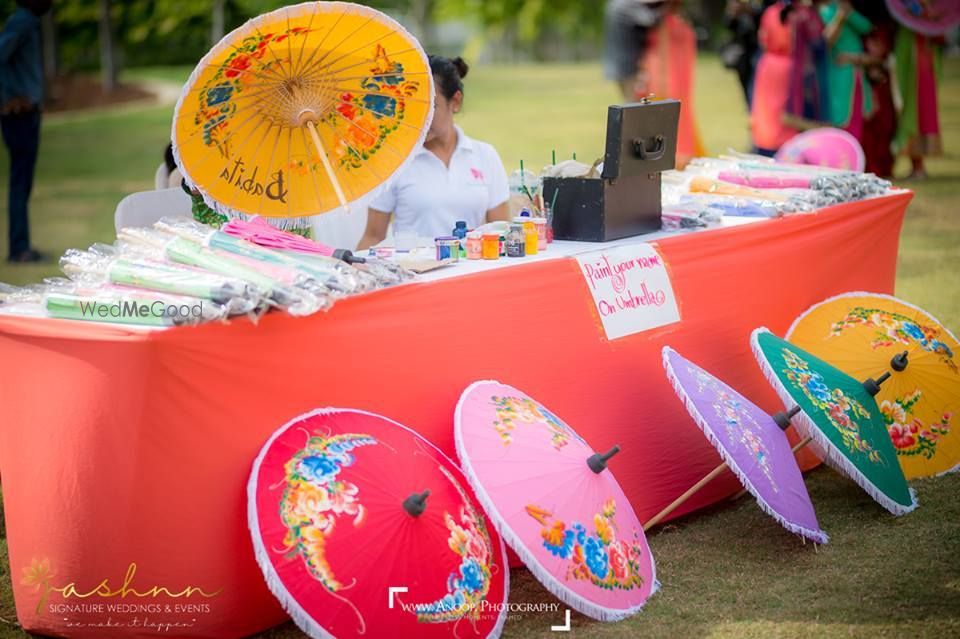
point(523, 184)
point(553, 156)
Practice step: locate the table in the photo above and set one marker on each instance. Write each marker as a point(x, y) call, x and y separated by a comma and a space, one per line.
point(124, 454)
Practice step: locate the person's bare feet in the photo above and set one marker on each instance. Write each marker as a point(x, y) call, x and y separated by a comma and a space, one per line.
point(917, 175)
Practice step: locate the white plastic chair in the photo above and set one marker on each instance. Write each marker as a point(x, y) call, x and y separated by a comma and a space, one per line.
point(146, 207)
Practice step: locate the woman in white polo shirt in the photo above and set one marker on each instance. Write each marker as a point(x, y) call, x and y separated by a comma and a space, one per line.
point(452, 177)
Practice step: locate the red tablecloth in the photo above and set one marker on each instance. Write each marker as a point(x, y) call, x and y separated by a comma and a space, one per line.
point(124, 456)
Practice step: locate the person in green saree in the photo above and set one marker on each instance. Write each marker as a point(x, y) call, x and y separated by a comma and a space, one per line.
point(850, 100)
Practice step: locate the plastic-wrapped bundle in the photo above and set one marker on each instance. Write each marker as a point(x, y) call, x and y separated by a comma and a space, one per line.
point(738, 207)
point(270, 280)
point(121, 305)
point(237, 296)
point(765, 180)
point(677, 217)
point(25, 301)
point(266, 235)
point(330, 273)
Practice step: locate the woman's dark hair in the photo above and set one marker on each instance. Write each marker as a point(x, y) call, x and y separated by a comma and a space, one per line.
point(168, 158)
point(449, 74)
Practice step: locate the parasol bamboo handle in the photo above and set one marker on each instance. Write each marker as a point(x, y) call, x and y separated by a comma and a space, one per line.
point(799, 445)
point(326, 165)
point(685, 496)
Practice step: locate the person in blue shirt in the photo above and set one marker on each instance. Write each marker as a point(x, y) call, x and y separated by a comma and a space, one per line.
point(21, 98)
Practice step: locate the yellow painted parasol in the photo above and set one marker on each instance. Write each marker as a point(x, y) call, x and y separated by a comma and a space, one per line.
point(866, 335)
point(303, 110)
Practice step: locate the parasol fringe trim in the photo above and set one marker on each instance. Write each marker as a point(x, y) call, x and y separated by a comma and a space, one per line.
point(949, 471)
point(549, 581)
point(831, 454)
point(300, 616)
point(816, 536)
point(298, 10)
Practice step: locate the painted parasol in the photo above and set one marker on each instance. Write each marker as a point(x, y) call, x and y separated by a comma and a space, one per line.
point(363, 528)
point(302, 110)
point(751, 443)
point(827, 147)
point(839, 414)
point(929, 17)
point(554, 501)
point(863, 334)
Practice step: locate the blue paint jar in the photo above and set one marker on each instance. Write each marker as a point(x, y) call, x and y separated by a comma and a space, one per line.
point(448, 248)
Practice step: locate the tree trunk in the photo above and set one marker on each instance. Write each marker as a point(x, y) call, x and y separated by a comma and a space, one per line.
point(108, 62)
point(218, 21)
point(421, 13)
point(48, 30)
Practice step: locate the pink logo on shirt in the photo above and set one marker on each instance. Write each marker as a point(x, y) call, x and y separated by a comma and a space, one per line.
point(477, 174)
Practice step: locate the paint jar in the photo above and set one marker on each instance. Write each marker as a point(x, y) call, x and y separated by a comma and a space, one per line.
point(541, 225)
point(474, 245)
point(530, 231)
point(490, 246)
point(516, 241)
point(448, 248)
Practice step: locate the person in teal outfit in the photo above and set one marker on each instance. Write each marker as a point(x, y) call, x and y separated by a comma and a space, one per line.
point(850, 101)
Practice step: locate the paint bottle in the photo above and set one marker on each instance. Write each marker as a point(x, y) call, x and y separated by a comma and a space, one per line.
point(460, 232)
point(530, 231)
point(541, 225)
point(474, 245)
point(490, 246)
point(516, 241)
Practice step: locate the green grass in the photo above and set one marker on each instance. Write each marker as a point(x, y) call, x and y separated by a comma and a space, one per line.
point(728, 571)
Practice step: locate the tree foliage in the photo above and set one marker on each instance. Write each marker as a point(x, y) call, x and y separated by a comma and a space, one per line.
point(178, 31)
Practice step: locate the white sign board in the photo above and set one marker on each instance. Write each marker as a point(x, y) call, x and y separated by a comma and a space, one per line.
point(631, 289)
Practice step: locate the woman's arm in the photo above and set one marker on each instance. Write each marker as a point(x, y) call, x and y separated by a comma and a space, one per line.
point(376, 231)
point(499, 213)
point(834, 16)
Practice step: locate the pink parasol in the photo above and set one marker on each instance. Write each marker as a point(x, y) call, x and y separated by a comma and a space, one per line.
point(554, 501)
point(834, 148)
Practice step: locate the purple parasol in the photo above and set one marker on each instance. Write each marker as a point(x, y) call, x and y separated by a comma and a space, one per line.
point(751, 443)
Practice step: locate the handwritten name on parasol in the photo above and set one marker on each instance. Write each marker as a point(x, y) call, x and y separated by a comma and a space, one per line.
point(275, 189)
point(631, 289)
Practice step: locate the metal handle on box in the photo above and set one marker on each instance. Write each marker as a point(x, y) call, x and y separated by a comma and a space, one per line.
point(650, 155)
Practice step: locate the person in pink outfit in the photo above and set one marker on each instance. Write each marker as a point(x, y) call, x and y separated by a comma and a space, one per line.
point(771, 86)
